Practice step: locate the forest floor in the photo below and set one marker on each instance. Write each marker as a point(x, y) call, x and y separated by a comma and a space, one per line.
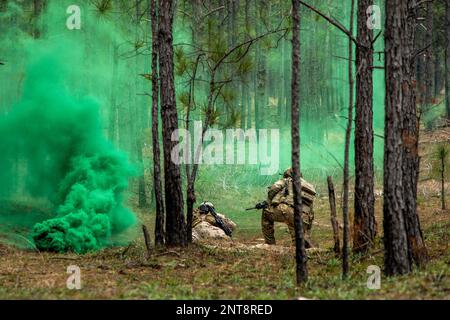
point(244, 269)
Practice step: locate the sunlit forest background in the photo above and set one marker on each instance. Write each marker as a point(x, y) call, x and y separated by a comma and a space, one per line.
point(107, 63)
point(109, 60)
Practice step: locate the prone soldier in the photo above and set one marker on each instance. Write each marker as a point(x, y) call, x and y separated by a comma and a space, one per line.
point(208, 224)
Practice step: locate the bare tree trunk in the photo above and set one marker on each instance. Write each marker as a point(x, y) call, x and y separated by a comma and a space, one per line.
point(159, 221)
point(113, 128)
point(447, 59)
point(410, 141)
point(334, 222)
point(191, 176)
point(403, 240)
point(428, 57)
point(175, 229)
point(443, 183)
point(38, 6)
point(300, 252)
point(3, 5)
point(364, 226)
point(347, 149)
point(137, 120)
point(437, 72)
point(148, 243)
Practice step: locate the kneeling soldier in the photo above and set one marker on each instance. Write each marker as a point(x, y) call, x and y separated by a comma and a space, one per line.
point(281, 208)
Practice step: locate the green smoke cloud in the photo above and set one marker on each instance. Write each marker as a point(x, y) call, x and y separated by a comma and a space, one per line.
point(53, 147)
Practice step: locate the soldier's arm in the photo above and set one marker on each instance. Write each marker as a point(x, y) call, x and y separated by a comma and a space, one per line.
point(274, 189)
point(211, 220)
point(230, 223)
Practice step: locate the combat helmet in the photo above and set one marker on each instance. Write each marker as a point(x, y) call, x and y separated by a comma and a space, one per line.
point(289, 173)
point(206, 207)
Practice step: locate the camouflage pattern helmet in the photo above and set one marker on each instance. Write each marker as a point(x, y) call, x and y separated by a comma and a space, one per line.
point(289, 173)
point(205, 207)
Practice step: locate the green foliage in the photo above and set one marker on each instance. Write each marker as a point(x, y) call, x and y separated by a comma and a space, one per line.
point(181, 62)
point(440, 156)
point(183, 98)
point(103, 6)
point(442, 151)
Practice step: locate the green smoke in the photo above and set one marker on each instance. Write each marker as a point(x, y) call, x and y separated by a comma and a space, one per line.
point(53, 147)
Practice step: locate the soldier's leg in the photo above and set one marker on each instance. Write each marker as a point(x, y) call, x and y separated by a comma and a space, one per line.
point(267, 225)
point(308, 218)
point(289, 216)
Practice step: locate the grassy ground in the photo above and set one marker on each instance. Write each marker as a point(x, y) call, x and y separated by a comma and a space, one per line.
point(245, 269)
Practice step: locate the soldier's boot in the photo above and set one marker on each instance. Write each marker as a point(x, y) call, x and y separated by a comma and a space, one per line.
point(267, 225)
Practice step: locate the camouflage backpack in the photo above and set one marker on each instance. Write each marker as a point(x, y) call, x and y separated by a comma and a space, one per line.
point(286, 193)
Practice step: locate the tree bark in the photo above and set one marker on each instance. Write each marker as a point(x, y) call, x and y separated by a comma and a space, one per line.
point(348, 133)
point(402, 235)
point(137, 119)
point(38, 6)
point(447, 59)
point(147, 240)
point(300, 252)
point(3, 5)
point(334, 222)
point(364, 226)
point(113, 128)
point(410, 140)
point(175, 229)
point(428, 90)
point(443, 183)
point(157, 185)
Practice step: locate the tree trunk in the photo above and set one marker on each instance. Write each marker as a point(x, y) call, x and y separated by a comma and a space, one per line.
point(410, 140)
point(437, 72)
point(147, 240)
point(300, 252)
point(347, 149)
point(364, 226)
point(175, 229)
point(428, 92)
point(402, 235)
point(257, 74)
point(334, 222)
point(443, 183)
point(37, 11)
point(113, 128)
point(447, 59)
point(138, 119)
point(159, 220)
point(3, 5)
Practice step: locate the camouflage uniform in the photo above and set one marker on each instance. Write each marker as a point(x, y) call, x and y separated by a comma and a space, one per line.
point(281, 208)
point(204, 226)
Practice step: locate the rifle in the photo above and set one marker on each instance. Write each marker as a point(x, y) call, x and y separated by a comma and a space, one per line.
point(222, 225)
point(260, 205)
